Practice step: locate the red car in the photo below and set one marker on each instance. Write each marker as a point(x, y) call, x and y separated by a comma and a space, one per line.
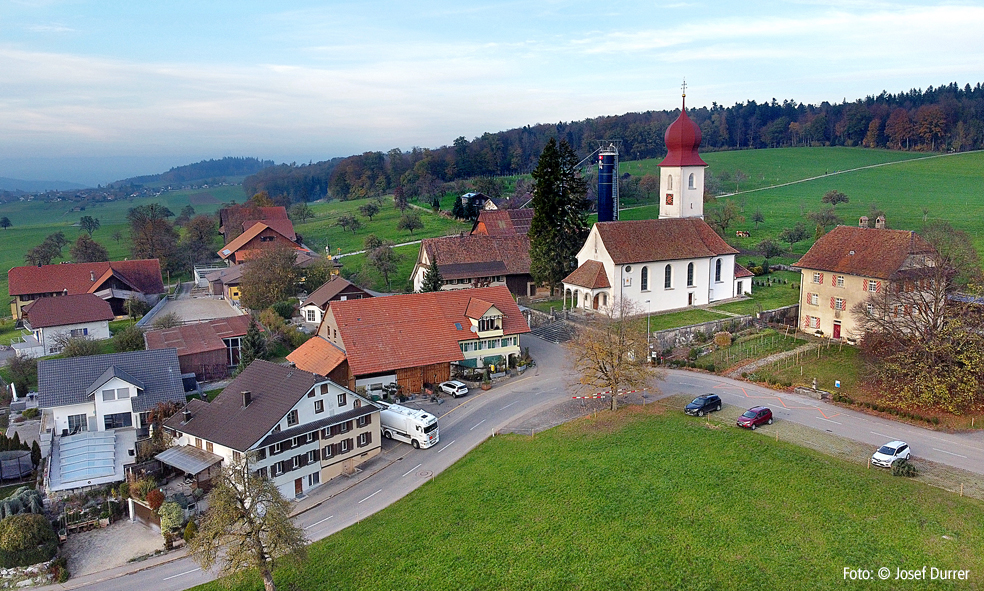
point(755, 416)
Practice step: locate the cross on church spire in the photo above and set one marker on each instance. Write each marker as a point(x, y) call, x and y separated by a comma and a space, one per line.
point(684, 87)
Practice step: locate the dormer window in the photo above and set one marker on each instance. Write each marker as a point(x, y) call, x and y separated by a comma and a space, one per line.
point(489, 323)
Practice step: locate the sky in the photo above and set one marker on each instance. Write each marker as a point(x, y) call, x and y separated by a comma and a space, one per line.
point(96, 91)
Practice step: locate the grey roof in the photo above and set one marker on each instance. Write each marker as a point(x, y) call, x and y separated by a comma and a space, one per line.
point(188, 458)
point(274, 390)
point(114, 371)
point(66, 381)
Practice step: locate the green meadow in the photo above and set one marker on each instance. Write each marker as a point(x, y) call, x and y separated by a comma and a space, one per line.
point(648, 498)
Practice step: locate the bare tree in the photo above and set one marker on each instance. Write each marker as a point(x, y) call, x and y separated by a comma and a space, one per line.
point(247, 526)
point(611, 352)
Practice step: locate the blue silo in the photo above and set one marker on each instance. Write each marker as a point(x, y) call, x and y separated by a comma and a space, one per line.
point(608, 184)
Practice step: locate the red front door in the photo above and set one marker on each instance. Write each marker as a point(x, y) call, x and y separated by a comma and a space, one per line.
point(837, 330)
point(298, 487)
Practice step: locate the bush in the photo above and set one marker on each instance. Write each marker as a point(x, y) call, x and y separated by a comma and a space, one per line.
point(140, 488)
point(129, 339)
point(190, 531)
point(30, 413)
point(58, 569)
point(166, 320)
point(903, 468)
point(284, 309)
point(722, 339)
point(25, 540)
point(171, 516)
point(125, 490)
point(155, 499)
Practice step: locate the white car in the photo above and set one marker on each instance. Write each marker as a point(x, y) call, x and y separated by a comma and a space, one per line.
point(454, 388)
point(891, 451)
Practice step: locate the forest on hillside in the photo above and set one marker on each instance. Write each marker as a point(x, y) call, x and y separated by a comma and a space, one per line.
point(206, 169)
point(947, 118)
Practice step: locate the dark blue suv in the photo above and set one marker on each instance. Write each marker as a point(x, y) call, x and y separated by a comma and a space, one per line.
point(703, 405)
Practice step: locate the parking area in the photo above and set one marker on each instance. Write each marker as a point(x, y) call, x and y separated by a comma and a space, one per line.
point(194, 306)
point(101, 549)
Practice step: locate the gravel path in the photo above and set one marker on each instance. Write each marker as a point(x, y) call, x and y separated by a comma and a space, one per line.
point(101, 549)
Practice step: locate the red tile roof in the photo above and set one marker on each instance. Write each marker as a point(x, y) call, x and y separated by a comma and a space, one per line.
point(667, 239)
point(591, 275)
point(283, 226)
point(70, 309)
point(741, 271)
point(866, 252)
point(240, 241)
point(479, 255)
point(189, 339)
point(143, 275)
point(503, 222)
point(410, 330)
point(317, 355)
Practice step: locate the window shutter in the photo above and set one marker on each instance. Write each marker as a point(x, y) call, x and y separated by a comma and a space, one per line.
point(334, 449)
point(806, 322)
point(369, 437)
point(368, 419)
point(351, 444)
point(877, 286)
point(304, 460)
point(821, 278)
point(285, 466)
point(831, 303)
point(358, 442)
point(844, 304)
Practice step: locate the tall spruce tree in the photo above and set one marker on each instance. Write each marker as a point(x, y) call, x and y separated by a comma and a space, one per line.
point(432, 277)
point(560, 222)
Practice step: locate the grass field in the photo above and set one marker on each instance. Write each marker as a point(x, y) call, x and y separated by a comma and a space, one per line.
point(767, 297)
point(634, 500)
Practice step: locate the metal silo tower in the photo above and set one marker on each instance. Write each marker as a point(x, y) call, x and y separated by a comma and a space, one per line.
point(608, 183)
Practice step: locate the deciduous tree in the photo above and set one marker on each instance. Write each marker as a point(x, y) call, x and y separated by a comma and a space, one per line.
point(247, 526)
point(739, 177)
point(823, 218)
point(833, 197)
point(129, 339)
point(384, 260)
point(347, 221)
point(87, 250)
point(270, 277)
point(152, 236)
point(301, 212)
point(758, 218)
point(5, 222)
point(198, 243)
point(46, 252)
point(410, 221)
point(721, 217)
point(769, 249)
point(611, 352)
point(369, 209)
point(793, 235)
point(88, 224)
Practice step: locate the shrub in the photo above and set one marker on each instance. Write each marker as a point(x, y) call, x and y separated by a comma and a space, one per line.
point(140, 488)
point(284, 309)
point(129, 339)
point(722, 339)
point(166, 320)
point(903, 468)
point(125, 490)
point(25, 540)
point(190, 531)
point(30, 413)
point(171, 516)
point(155, 499)
point(58, 569)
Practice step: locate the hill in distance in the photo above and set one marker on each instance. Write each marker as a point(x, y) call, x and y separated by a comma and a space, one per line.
point(8, 184)
point(206, 169)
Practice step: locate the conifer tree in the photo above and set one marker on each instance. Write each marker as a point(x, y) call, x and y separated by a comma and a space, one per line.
point(254, 346)
point(432, 277)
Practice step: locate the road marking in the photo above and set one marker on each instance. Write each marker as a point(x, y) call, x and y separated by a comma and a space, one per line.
point(508, 405)
point(371, 496)
point(477, 424)
point(829, 421)
point(317, 522)
point(188, 572)
point(881, 435)
point(950, 452)
point(446, 446)
point(412, 469)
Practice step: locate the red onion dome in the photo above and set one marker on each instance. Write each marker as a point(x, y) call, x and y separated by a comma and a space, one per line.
point(682, 141)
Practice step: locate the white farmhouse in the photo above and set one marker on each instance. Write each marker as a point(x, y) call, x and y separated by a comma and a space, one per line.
point(51, 319)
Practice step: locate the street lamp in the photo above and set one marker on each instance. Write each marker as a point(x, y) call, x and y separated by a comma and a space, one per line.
point(649, 350)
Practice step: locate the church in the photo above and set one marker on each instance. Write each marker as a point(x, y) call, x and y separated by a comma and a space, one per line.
point(674, 262)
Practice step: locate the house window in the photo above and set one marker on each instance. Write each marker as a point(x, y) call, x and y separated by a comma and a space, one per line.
point(118, 420)
point(717, 271)
point(277, 448)
point(645, 279)
point(818, 278)
point(296, 462)
point(314, 478)
point(319, 406)
point(839, 281)
point(690, 275)
point(344, 446)
point(310, 436)
point(261, 453)
point(357, 403)
point(667, 277)
point(298, 441)
point(490, 323)
point(363, 421)
point(872, 286)
point(208, 447)
point(276, 469)
point(363, 439)
point(690, 182)
point(326, 452)
point(669, 185)
point(109, 395)
point(292, 418)
point(80, 332)
point(341, 399)
point(262, 473)
point(122, 393)
point(236, 456)
point(310, 315)
point(344, 427)
point(233, 345)
point(312, 456)
point(840, 304)
point(77, 424)
point(870, 308)
point(813, 299)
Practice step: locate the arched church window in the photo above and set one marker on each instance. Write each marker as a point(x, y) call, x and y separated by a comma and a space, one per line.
point(690, 275)
point(645, 278)
point(691, 182)
point(668, 277)
point(717, 270)
point(669, 182)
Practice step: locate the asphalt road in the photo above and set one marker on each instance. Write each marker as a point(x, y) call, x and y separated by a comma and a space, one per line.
point(482, 413)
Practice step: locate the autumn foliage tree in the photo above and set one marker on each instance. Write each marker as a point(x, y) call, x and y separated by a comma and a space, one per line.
point(611, 353)
point(270, 277)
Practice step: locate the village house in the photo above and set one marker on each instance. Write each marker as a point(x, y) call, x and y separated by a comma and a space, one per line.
point(210, 349)
point(257, 238)
point(320, 356)
point(115, 282)
point(674, 262)
point(237, 219)
point(337, 288)
point(503, 222)
point(850, 265)
point(95, 408)
point(477, 261)
point(51, 320)
point(297, 428)
point(413, 339)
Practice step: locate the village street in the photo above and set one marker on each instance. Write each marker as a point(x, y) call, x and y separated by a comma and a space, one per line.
point(480, 414)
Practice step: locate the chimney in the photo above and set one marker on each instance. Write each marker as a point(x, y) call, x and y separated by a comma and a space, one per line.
point(863, 222)
point(92, 275)
point(187, 414)
point(247, 398)
point(880, 222)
